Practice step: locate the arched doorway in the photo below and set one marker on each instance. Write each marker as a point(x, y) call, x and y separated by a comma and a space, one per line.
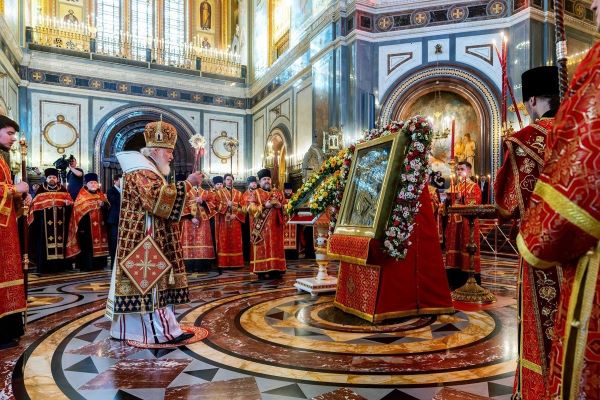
point(124, 130)
point(461, 90)
point(275, 157)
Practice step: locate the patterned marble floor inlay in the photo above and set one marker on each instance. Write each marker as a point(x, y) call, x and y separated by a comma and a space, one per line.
point(266, 341)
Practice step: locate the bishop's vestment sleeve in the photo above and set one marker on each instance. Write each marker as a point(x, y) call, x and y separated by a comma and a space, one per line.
point(158, 198)
point(563, 220)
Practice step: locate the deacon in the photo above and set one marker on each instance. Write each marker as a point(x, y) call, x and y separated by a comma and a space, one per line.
point(252, 185)
point(457, 232)
point(141, 309)
point(562, 227)
point(266, 228)
point(13, 302)
point(538, 292)
point(88, 238)
point(228, 225)
point(49, 216)
point(196, 235)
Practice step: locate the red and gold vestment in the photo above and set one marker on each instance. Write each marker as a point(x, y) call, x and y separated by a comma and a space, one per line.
point(562, 226)
point(266, 231)
point(149, 206)
point(88, 203)
point(12, 291)
point(49, 216)
point(196, 236)
point(457, 231)
point(538, 291)
point(228, 227)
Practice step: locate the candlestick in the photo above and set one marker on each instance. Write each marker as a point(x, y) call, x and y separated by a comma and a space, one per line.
point(452, 141)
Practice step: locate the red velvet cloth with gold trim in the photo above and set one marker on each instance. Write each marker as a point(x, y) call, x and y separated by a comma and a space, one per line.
point(375, 287)
point(145, 265)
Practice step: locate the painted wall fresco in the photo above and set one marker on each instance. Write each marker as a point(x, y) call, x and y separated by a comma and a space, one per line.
point(440, 109)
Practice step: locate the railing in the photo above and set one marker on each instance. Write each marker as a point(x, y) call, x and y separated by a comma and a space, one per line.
point(80, 37)
point(497, 239)
point(62, 34)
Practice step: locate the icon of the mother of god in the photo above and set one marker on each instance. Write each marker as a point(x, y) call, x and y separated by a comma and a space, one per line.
point(370, 173)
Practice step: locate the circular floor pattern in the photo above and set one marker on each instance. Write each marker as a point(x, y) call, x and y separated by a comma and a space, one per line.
point(289, 335)
point(278, 334)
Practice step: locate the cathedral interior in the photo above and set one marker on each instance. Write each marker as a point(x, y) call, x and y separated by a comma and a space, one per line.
point(290, 83)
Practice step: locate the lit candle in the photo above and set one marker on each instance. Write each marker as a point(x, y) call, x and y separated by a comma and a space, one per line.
point(452, 141)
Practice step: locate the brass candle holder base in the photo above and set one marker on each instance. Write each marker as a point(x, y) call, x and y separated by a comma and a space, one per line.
point(471, 292)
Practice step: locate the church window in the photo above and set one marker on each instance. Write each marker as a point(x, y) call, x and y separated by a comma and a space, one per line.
point(142, 27)
point(108, 21)
point(174, 31)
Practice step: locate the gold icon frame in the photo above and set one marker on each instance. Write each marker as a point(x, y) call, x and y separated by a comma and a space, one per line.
point(396, 145)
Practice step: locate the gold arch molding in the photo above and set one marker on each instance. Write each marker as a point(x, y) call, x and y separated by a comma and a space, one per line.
point(474, 88)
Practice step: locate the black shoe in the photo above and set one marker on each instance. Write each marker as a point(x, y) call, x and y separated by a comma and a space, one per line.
point(181, 338)
point(8, 344)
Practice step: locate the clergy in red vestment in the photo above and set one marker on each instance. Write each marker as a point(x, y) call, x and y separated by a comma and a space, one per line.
point(252, 185)
point(143, 294)
point(266, 228)
point(13, 302)
point(88, 236)
point(196, 235)
point(562, 227)
point(538, 291)
point(49, 216)
point(228, 224)
point(457, 232)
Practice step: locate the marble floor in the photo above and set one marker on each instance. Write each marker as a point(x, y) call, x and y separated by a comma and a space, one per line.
point(266, 341)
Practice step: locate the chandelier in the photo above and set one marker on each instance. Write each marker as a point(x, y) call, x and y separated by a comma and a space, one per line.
point(439, 121)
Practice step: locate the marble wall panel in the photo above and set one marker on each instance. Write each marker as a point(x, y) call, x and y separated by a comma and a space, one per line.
point(103, 108)
point(477, 51)
point(304, 121)
point(46, 108)
point(216, 159)
point(396, 60)
point(431, 50)
point(258, 143)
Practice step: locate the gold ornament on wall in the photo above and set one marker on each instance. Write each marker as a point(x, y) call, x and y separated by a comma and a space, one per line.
point(60, 134)
point(224, 147)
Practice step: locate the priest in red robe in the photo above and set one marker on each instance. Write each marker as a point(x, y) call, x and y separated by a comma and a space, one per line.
point(13, 302)
point(266, 228)
point(538, 291)
point(252, 185)
point(196, 235)
point(49, 216)
point(228, 225)
point(562, 227)
point(88, 236)
point(457, 232)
